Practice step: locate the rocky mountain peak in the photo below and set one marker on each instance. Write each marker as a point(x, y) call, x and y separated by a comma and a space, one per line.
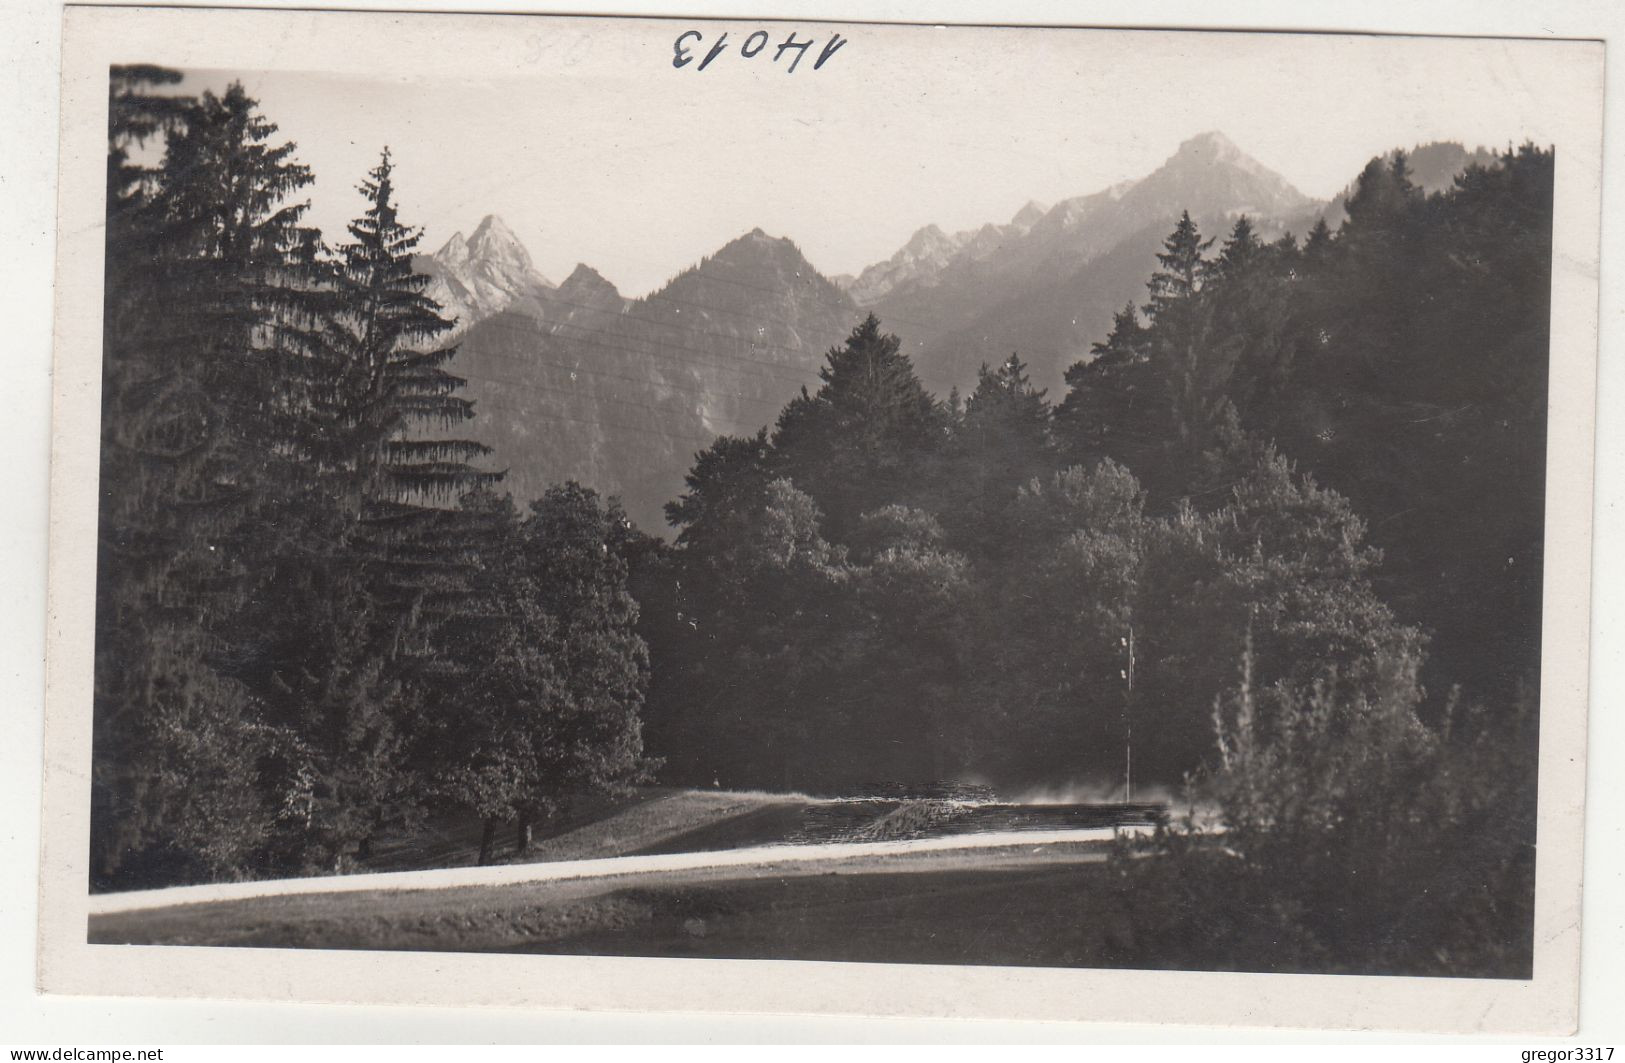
point(757, 250)
point(583, 274)
point(453, 252)
point(495, 243)
point(1209, 175)
point(1211, 159)
point(580, 383)
point(926, 252)
point(586, 282)
point(477, 276)
point(1027, 215)
point(927, 239)
point(1212, 146)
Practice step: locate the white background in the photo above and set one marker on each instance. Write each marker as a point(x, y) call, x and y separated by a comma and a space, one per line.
point(29, 46)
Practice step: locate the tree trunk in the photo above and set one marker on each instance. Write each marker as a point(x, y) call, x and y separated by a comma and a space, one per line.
point(364, 850)
point(488, 838)
point(521, 842)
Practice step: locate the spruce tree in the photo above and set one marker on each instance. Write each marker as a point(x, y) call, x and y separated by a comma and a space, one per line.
point(1153, 397)
point(1240, 252)
point(1253, 329)
point(1107, 409)
point(385, 561)
point(207, 269)
point(1125, 344)
point(397, 407)
point(1193, 368)
point(1001, 442)
point(858, 443)
point(1184, 268)
point(391, 394)
point(1318, 243)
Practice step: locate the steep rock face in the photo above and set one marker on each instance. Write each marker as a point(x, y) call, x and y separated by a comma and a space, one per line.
point(475, 277)
point(621, 394)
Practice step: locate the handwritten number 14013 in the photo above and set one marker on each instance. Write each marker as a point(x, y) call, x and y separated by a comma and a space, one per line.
point(687, 49)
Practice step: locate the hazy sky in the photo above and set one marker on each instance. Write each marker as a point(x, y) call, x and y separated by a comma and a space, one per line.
point(595, 149)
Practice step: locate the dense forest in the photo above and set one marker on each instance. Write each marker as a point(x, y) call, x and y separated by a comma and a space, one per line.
point(1332, 452)
point(316, 617)
point(1280, 539)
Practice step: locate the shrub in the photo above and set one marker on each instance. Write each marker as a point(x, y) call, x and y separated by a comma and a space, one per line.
point(1343, 835)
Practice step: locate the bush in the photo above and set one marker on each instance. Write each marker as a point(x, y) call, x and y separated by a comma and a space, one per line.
point(1344, 836)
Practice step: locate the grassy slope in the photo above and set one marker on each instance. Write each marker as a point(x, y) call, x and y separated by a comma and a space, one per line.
point(657, 820)
point(650, 820)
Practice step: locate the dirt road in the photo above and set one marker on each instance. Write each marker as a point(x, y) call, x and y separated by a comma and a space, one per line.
point(1042, 844)
point(981, 899)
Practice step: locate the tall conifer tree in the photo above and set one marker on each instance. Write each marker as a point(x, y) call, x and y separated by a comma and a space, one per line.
point(380, 434)
point(206, 268)
point(1001, 442)
point(855, 444)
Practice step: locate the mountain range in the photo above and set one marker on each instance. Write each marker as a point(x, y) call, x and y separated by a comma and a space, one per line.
point(579, 382)
point(930, 250)
point(576, 381)
point(1049, 291)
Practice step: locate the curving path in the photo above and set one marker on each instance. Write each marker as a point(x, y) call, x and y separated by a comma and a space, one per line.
point(761, 856)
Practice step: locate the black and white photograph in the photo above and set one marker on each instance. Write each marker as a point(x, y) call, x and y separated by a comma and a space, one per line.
point(972, 498)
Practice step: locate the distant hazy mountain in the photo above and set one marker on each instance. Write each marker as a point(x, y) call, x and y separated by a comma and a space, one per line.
point(580, 383)
point(926, 252)
point(1433, 167)
point(484, 274)
point(584, 289)
point(1048, 290)
point(930, 249)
